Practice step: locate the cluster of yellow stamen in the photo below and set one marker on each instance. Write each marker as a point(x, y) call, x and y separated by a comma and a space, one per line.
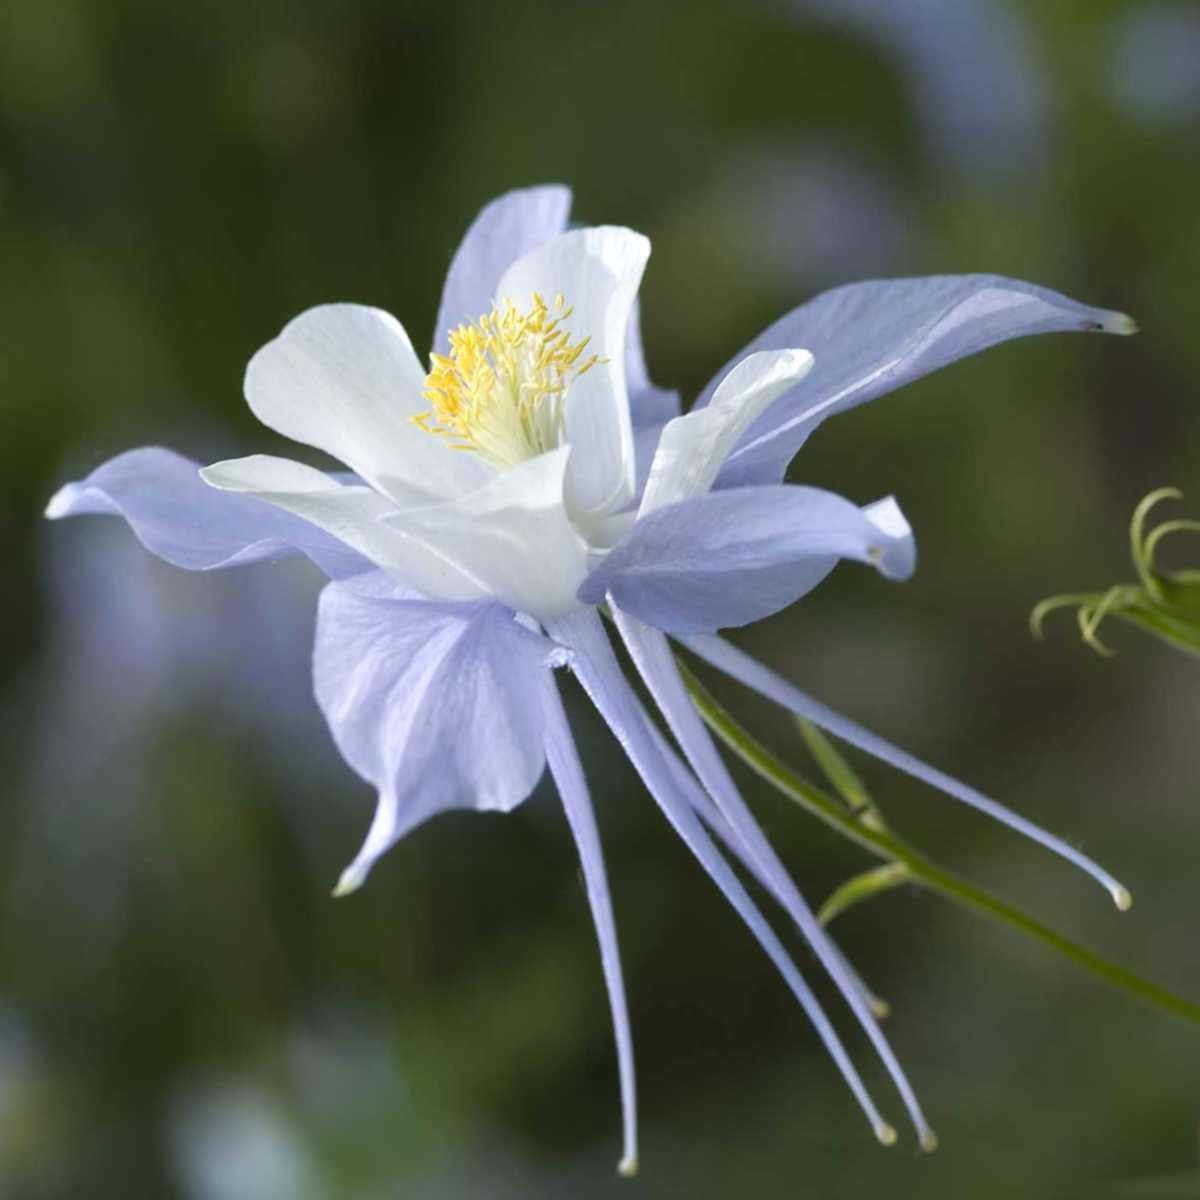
point(501, 391)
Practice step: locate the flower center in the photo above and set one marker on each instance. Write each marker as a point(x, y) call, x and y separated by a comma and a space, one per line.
point(502, 390)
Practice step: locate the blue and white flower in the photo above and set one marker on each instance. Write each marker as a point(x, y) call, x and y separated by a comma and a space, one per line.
point(531, 473)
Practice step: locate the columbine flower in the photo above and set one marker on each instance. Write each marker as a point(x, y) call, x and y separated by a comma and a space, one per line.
point(533, 473)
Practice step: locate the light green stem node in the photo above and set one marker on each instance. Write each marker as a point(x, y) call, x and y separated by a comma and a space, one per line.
point(841, 776)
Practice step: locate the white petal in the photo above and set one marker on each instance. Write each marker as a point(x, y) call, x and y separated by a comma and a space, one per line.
point(598, 271)
point(349, 513)
point(693, 447)
point(513, 536)
point(345, 378)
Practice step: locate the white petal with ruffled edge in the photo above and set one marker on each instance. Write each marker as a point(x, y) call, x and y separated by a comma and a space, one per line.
point(598, 270)
point(345, 379)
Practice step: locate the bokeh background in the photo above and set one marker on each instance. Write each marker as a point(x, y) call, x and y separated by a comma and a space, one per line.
point(184, 1012)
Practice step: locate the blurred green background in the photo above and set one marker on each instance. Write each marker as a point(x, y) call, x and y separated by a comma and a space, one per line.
point(184, 1012)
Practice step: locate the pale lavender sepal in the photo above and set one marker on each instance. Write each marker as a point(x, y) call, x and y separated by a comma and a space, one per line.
point(177, 516)
point(437, 705)
point(870, 338)
point(506, 229)
point(738, 665)
point(655, 662)
point(567, 772)
point(649, 406)
point(596, 666)
point(645, 443)
point(728, 558)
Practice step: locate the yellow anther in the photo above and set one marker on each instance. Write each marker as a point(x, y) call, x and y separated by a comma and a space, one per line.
point(501, 391)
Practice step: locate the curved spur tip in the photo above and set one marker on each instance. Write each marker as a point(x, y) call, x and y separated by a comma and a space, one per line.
point(350, 881)
point(59, 504)
point(885, 1134)
point(1119, 323)
point(929, 1141)
point(1122, 898)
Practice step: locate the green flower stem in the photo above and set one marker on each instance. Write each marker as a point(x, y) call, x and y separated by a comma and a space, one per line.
point(920, 869)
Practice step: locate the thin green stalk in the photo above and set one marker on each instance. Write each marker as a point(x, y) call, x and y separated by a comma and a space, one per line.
point(841, 776)
point(921, 869)
point(862, 887)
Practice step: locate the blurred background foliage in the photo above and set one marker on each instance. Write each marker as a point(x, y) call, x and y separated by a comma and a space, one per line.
point(183, 1010)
